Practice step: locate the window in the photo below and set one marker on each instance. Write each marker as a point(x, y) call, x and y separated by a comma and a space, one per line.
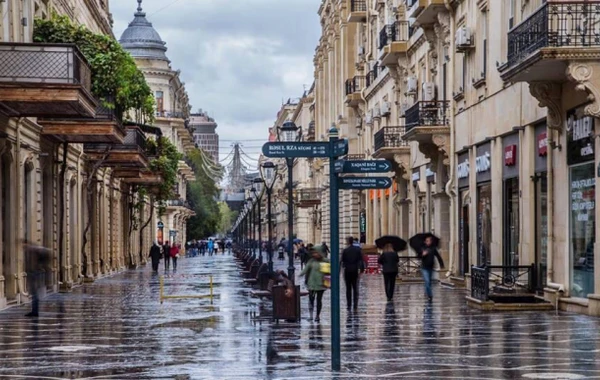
point(484, 37)
point(159, 102)
point(5, 14)
point(511, 13)
point(463, 85)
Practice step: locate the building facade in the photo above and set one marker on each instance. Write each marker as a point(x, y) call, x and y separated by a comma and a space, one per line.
point(490, 131)
point(205, 134)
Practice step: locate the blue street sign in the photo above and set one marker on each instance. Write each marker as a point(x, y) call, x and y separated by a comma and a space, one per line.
point(161, 224)
point(340, 148)
point(363, 166)
point(363, 183)
point(296, 149)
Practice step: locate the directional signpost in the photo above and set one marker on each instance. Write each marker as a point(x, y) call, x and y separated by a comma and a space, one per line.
point(333, 149)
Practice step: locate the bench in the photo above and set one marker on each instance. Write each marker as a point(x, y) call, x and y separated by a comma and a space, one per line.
point(255, 274)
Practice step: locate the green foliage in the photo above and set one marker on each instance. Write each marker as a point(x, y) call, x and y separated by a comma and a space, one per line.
point(164, 161)
point(227, 217)
point(114, 72)
point(202, 195)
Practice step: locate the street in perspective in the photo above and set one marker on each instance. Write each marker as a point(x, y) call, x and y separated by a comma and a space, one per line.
point(300, 189)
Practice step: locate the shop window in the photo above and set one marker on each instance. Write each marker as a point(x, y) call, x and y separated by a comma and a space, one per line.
point(484, 224)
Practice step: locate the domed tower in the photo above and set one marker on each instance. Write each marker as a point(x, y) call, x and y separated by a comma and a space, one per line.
point(141, 40)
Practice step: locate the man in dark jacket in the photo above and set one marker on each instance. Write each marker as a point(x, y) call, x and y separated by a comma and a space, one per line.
point(352, 262)
point(389, 262)
point(428, 255)
point(155, 256)
point(167, 255)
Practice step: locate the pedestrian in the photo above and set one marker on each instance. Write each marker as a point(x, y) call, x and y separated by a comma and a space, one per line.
point(315, 281)
point(428, 253)
point(210, 246)
point(304, 255)
point(175, 254)
point(37, 261)
point(155, 256)
point(326, 250)
point(167, 255)
point(390, 245)
point(222, 246)
point(353, 264)
point(216, 247)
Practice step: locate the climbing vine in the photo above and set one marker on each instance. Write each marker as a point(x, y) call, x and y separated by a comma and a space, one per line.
point(116, 80)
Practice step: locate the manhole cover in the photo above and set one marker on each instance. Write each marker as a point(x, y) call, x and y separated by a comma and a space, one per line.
point(72, 348)
point(553, 376)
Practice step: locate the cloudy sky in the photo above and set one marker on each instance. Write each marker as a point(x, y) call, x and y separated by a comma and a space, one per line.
point(238, 58)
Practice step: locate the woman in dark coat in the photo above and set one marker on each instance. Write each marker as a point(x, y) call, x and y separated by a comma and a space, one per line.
point(389, 261)
point(155, 255)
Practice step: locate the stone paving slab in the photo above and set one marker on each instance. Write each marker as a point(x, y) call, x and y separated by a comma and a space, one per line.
point(116, 328)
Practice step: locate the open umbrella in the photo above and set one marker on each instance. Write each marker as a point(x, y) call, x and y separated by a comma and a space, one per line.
point(418, 241)
point(395, 241)
point(298, 241)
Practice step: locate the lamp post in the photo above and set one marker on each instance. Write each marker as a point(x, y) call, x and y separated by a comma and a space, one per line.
point(251, 221)
point(257, 189)
point(249, 224)
point(289, 132)
point(269, 174)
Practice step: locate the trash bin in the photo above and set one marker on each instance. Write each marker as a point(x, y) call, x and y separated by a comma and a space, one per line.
point(287, 308)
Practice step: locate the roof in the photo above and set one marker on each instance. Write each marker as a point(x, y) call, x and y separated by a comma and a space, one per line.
point(141, 40)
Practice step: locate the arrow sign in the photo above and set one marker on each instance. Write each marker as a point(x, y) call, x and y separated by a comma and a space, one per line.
point(363, 166)
point(339, 166)
point(340, 148)
point(296, 149)
point(362, 183)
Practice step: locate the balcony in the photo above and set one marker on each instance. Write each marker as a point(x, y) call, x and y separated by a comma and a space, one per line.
point(310, 135)
point(358, 11)
point(138, 177)
point(393, 42)
point(540, 47)
point(130, 154)
point(373, 75)
point(389, 142)
point(178, 203)
point(171, 115)
point(354, 87)
point(426, 119)
point(307, 198)
point(105, 127)
point(45, 80)
point(424, 11)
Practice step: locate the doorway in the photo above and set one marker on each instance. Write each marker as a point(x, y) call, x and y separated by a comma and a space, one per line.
point(464, 226)
point(541, 229)
point(511, 222)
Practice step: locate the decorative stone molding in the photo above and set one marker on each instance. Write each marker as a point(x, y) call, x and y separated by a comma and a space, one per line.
point(443, 144)
point(587, 78)
point(403, 170)
point(549, 95)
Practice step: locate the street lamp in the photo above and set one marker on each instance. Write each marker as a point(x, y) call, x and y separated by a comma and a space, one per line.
point(289, 132)
point(250, 201)
point(269, 175)
point(257, 189)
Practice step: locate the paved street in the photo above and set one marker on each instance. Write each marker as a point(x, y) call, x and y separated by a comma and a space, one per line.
point(117, 329)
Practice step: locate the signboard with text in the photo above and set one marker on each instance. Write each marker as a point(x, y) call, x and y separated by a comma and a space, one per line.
point(363, 166)
point(363, 183)
point(296, 149)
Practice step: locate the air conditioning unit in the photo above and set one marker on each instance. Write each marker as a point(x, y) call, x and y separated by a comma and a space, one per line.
point(360, 53)
point(428, 91)
point(369, 117)
point(403, 107)
point(386, 108)
point(463, 38)
point(376, 112)
point(411, 85)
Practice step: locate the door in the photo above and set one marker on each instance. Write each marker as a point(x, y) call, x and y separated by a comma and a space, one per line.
point(463, 265)
point(511, 223)
point(541, 229)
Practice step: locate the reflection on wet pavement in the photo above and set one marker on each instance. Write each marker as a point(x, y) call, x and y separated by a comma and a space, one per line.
point(116, 328)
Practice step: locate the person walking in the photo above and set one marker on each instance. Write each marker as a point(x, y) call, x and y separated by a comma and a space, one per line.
point(210, 246)
point(175, 255)
point(37, 261)
point(352, 262)
point(304, 256)
point(167, 255)
point(155, 255)
point(428, 253)
point(390, 245)
point(315, 278)
point(326, 250)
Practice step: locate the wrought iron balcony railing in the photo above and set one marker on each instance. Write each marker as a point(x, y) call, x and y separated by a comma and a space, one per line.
point(373, 74)
point(358, 5)
point(310, 136)
point(308, 197)
point(397, 32)
point(555, 24)
point(492, 280)
point(171, 114)
point(44, 63)
point(427, 113)
point(389, 137)
point(356, 84)
point(134, 140)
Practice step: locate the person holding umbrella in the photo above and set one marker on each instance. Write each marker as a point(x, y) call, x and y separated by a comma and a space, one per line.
point(390, 245)
point(425, 245)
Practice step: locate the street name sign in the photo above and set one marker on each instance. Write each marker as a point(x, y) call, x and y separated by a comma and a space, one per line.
point(296, 149)
point(340, 148)
point(364, 183)
point(363, 166)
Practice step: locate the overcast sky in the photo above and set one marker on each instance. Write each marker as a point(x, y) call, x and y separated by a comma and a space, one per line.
point(238, 58)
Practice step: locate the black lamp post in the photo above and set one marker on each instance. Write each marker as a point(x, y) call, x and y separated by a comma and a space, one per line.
point(289, 132)
point(249, 225)
point(269, 174)
point(257, 189)
point(251, 222)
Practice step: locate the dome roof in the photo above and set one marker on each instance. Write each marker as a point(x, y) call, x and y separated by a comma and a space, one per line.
point(141, 40)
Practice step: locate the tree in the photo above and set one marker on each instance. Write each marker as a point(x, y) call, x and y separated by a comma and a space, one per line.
point(202, 196)
point(227, 216)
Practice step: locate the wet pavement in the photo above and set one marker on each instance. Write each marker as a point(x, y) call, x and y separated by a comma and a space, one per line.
point(116, 328)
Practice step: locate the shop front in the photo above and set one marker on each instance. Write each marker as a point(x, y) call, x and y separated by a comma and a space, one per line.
point(580, 159)
point(483, 166)
point(511, 214)
point(463, 170)
point(540, 179)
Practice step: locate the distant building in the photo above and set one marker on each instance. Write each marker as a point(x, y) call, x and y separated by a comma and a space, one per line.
point(205, 134)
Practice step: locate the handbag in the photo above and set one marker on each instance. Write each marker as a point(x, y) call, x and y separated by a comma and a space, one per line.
point(325, 268)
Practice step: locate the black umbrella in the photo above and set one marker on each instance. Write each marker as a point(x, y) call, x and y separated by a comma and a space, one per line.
point(395, 241)
point(417, 242)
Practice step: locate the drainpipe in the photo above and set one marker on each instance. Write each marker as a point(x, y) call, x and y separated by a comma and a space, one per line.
point(550, 259)
point(450, 186)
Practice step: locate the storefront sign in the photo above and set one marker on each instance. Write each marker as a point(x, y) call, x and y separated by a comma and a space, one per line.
point(463, 169)
point(483, 163)
point(580, 141)
point(542, 145)
point(363, 222)
point(510, 155)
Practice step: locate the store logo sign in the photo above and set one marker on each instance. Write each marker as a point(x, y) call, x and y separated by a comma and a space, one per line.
point(581, 128)
point(510, 155)
point(463, 169)
point(542, 144)
point(483, 163)
point(587, 150)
